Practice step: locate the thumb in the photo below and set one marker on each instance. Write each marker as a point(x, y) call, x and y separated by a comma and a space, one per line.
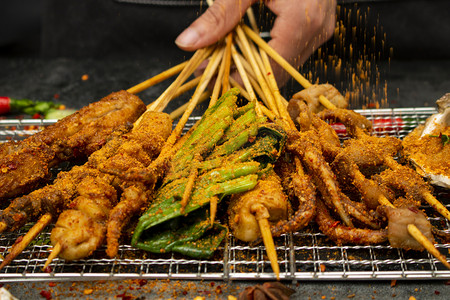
point(213, 25)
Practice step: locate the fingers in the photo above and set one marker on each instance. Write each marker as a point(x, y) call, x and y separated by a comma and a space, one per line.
point(300, 28)
point(213, 25)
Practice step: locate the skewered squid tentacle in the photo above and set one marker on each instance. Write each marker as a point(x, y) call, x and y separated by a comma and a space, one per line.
point(137, 150)
point(132, 201)
point(356, 124)
point(343, 234)
point(323, 176)
point(304, 192)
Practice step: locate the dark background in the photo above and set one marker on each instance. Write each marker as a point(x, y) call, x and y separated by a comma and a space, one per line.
point(400, 49)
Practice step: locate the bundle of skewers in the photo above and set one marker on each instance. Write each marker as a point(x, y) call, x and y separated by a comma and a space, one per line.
point(275, 165)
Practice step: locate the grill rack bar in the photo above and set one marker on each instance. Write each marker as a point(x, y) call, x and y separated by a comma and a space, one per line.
point(306, 255)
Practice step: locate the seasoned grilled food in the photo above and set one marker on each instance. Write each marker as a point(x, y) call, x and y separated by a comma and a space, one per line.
point(428, 146)
point(266, 200)
point(26, 164)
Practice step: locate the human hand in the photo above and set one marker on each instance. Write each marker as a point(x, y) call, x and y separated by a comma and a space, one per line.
point(300, 28)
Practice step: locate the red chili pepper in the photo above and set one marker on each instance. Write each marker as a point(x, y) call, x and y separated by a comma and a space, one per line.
point(339, 128)
point(5, 105)
point(387, 124)
point(46, 294)
point(336, 223)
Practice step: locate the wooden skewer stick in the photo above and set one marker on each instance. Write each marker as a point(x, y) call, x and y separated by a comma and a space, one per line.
point(245, 79)
point(198, 57)
point(243, 74)
point(418, 235)
point(204, 81)
point(253, 62)
point(157, 78)
point(186, 87)
point(180, 110)
point(162, 101)
point(55, 252)
point(3, 226)
point(213, 208)
point(227, 59)
point(423, 240)
point(17, 248)
point(284, 64)
point(435, 203)
point(218, 83)
point(264, 110)
point(262, 215)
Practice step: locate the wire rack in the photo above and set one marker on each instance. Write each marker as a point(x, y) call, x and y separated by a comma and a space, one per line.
point(305, 255)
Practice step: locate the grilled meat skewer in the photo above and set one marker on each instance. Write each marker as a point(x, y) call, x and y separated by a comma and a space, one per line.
point(26, 164)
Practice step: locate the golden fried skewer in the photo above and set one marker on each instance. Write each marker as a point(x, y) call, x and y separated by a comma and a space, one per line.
point(210, 70)
point(18, 247)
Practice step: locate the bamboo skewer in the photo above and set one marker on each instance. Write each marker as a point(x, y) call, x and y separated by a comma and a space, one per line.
point(53, 254)
point(262, 214)
point(243, 74)
point(157, 79)
point(213, 209)
point(418, 235)
point(284, 64)
point(253, 62)
point(218, 83)
point(428, 197)
point(423, 240)
point(198, 57)
point(18, 247)
point(180, 110)
point(227, 59)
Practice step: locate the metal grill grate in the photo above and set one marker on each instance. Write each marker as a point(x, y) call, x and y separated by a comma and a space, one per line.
point(306, 255)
